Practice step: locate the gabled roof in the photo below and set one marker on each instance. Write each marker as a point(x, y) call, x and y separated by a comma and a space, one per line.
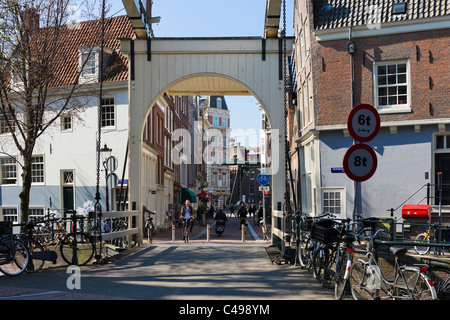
point(87, 35)
point(329, 14)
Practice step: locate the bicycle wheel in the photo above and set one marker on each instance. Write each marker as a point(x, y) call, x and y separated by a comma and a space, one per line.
point(414, 286)
point(425, 239)
point(14, 257)
point(304, 253)
point(341, 281)
point(77, 249)
point(150, 235)
point(35, 249)
point(320, 263)
point(359, 276)
point(440, 276)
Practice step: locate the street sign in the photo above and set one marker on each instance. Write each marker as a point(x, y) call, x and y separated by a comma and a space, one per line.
point(264, 188)
point(112, 163)
point(360, 162)
point(112, 180)
point(263, 178)
point(363, 122)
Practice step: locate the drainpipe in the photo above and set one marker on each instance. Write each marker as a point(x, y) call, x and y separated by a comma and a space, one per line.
point(351, 51)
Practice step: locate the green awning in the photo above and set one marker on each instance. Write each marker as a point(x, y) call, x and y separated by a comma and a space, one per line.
point(187, 194)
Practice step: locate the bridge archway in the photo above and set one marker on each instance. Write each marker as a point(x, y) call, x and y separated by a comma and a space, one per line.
point(203, 66)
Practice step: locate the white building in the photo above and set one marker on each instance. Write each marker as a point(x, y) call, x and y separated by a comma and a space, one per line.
point(218, 175)
point(64, 169)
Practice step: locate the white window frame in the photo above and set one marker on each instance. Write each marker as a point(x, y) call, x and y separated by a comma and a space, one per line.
point(4, 124)
point(219, 103)
point(63, 123)
point(15, 216)
point(114, 113)
point(33, 209)
point(394, 108)
point(445, 142)
point(88, 77)
point(13, 159)
point(37, 179)
point(334, 190)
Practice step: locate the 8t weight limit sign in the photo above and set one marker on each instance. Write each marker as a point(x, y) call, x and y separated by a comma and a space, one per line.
point(360, 162)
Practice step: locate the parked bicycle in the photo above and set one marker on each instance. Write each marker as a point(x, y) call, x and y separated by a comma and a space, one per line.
point(344, 259)
point(439, 272)
point(14, 255)
point(429, 236)
point(368, 282)
point(76, 248)
point(326, 234)
point(306, 244)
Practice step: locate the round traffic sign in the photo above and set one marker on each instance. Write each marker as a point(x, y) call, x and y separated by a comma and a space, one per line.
point(363, 122)
point(360, 162)
point(263, 178)
point(112, 180)
point(112, 163)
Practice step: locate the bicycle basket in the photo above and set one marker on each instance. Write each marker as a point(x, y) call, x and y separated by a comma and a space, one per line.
point(307, 223)
point(323, 231)
point(6, 227)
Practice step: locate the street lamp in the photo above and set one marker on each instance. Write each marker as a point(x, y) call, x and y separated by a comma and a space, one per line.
point(106, 154)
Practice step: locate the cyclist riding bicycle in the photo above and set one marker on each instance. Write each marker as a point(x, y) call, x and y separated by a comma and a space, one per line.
point(187, 214)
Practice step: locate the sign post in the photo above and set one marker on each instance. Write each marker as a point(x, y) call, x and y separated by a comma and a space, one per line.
point(360, 161)
point(264, 179)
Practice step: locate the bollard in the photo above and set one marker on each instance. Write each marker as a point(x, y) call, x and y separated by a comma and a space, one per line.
point(173, 233)
point(243, 232)
point(207, 232)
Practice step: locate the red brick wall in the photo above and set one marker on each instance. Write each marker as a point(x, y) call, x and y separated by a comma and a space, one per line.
point(331, 74)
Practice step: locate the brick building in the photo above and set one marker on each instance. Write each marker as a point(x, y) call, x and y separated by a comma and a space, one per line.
point(393, 55)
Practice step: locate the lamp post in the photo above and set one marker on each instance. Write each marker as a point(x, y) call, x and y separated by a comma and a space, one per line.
point(106, 154)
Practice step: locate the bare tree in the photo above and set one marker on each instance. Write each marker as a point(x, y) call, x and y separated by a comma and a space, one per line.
point(32, 94)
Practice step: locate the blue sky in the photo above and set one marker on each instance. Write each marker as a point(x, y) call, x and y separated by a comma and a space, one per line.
point(216, 18)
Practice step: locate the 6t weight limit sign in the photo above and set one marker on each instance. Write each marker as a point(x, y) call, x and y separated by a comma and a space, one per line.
point(360, 162)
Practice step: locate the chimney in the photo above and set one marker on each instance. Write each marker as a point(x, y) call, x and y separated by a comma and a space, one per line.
point(30, 19)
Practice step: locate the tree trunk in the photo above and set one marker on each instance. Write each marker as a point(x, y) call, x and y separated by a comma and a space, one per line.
point(26, 188)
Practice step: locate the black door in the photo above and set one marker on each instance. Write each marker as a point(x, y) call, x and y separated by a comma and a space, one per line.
point(68, 203)
point(442, 164)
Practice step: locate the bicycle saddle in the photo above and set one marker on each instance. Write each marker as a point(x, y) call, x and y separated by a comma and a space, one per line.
point(398, 251)
point(30, 224)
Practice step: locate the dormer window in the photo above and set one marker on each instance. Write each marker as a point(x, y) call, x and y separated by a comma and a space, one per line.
point(88, 65)
point(219, 103)
point(399, 8)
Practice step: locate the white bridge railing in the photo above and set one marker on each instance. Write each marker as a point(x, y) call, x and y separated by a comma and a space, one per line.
point(137, 229)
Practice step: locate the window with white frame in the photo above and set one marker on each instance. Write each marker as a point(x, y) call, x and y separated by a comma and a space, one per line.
point(215, 122)
point(391, 81)
point(443, 142)
point(333, 200)
point(225, 123)
point(88, 65)
point(66, 123)
point(4, 121)
point(108, 113)
point(68, 178)
point(8, 168)
point(219, 103)
point(10, 214)
point(37, 169)
point(36, 213)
